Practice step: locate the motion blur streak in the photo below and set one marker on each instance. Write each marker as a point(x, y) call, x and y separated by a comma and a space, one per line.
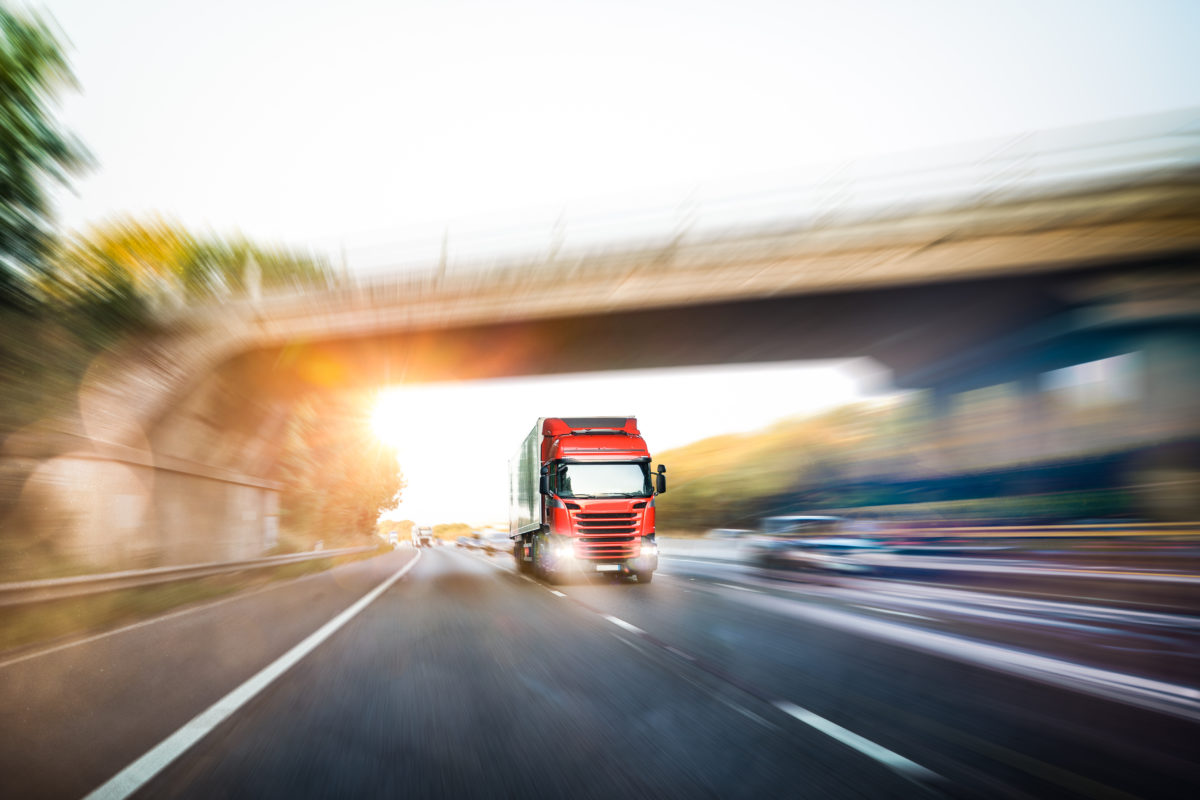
point(166, 381)
point(869, 748)
point(1179, 700)
point(137, 774)
point(986, 582)
point(444, 660)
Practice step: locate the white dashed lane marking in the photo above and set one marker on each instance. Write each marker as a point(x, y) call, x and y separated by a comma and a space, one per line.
point(893, 761)
point(620, 623)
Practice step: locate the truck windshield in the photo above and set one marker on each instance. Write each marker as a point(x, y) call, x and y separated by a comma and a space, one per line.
point(604, 480)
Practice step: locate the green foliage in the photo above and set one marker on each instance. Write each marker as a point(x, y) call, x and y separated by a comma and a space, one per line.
point(98, 287)
point(338, 476)
point(35, 153)
point(841, 462)
point(120, 269)
point(62, 302)
point(729, 479)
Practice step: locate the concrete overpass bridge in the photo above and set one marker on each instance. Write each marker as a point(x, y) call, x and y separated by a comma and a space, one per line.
point(172, 455)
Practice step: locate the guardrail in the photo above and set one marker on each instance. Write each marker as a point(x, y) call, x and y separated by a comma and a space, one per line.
point(40, 591)
point(1115, 529)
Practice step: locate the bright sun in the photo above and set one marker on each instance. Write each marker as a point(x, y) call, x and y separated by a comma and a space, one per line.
point(387, 420)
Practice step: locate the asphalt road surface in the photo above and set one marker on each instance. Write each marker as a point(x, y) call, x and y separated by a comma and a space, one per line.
point(463, 679)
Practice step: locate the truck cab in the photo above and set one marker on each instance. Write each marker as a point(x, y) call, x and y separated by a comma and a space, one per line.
point(588, 491)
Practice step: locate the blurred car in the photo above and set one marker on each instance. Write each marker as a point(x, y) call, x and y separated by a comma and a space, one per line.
point(834, 554)
point(496, 543)
point(472, 541)
point(798, 523)
point(728, 533)
point(832, 545)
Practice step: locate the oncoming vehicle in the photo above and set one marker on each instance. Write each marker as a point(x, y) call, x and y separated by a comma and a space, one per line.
point(820, 543)
point(582, 499)
point(423, 537)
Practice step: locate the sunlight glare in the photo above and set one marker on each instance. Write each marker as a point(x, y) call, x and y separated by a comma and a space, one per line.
point(387, 419)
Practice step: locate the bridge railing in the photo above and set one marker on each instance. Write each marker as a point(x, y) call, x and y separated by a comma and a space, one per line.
point(1115, 153)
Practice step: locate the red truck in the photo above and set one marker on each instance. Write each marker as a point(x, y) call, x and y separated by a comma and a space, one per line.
point(582, 499)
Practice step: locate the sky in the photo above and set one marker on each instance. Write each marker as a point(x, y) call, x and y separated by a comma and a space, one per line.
point(364, 124)
point(449, 483)
point(371, 129)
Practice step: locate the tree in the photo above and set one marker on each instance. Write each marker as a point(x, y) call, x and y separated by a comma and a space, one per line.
point(120, 268)
point(338, 476)
point(35, 152)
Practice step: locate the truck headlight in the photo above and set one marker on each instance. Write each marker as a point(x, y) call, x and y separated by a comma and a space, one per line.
point(649, 547)
point(564, 549)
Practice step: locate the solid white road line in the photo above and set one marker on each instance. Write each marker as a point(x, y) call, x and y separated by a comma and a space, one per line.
point(893, 761)
point(557, 593)
point(137, 774)
point(620, 623)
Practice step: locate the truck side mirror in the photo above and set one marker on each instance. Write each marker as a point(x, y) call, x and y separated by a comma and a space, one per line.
point(544, 481)
point(660, 480)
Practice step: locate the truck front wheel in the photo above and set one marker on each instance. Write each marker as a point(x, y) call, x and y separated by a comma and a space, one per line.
point(645, 577)
point(538, 552)
point(547, 567)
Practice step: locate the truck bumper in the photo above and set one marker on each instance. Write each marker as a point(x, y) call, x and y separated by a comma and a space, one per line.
point(627, 566)
point(562, 561)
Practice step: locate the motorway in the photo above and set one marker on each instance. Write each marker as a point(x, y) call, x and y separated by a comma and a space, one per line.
point(444, 673)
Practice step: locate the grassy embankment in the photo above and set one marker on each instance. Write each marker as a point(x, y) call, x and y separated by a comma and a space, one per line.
point(843, 463)
point(39, 623)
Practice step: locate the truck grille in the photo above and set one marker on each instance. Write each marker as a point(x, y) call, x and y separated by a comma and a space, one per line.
point(603, 535)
